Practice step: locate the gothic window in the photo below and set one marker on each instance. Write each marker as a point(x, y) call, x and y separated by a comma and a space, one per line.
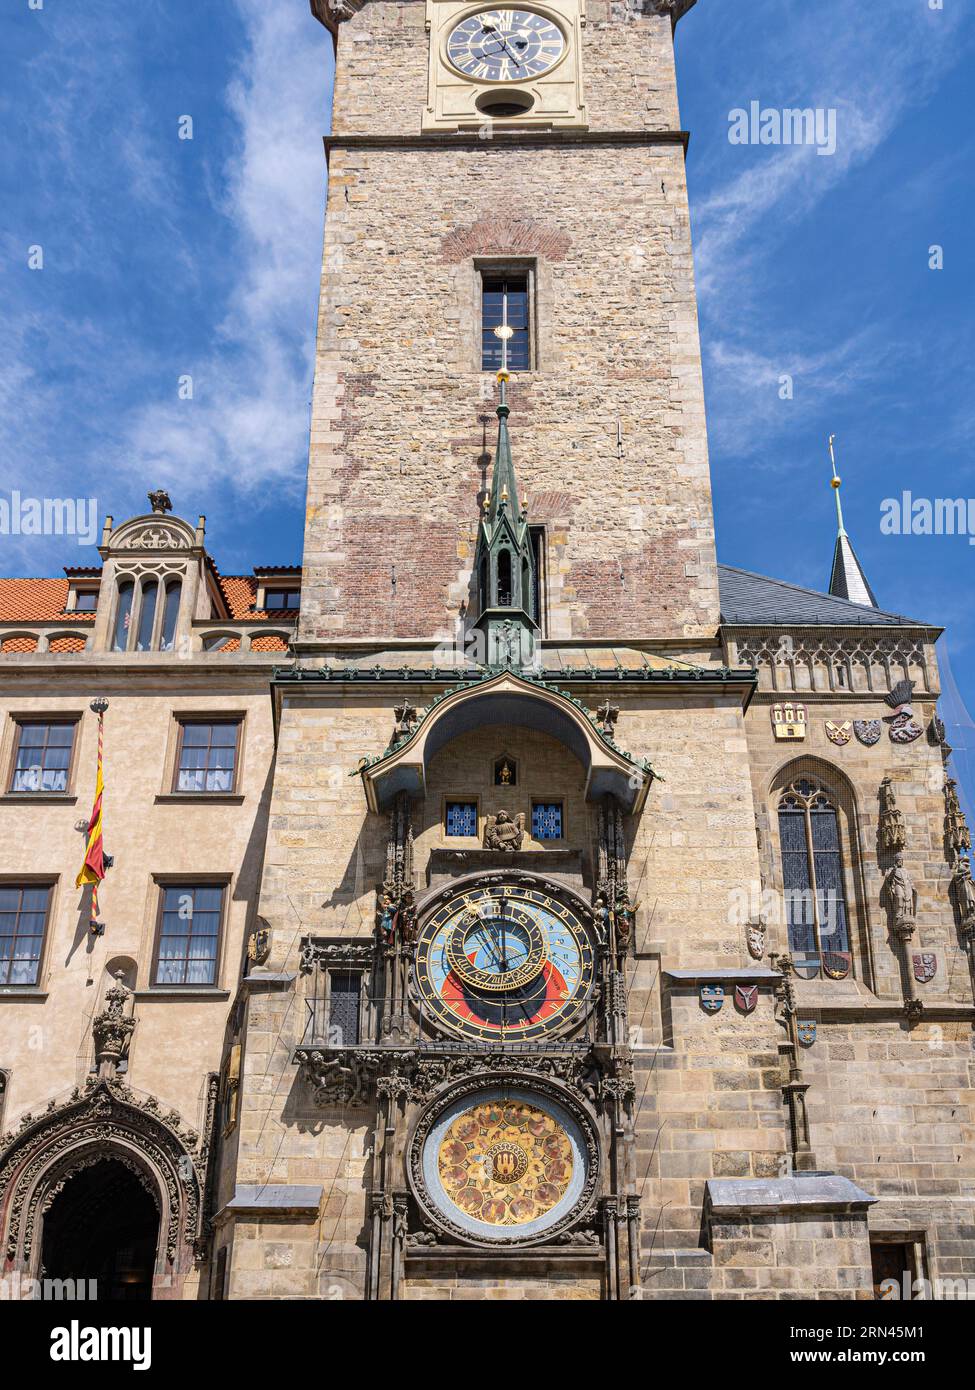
point(461, 818)
point(23, 922)
point(189, 934)
point(42, 759)
point(504, 579)
point(813, 880)
point(504, 299)
point(537, 537)
point(123, 615)
point(147, 615)
point(207, 756)
point(344, 1007)
point(547, 820)
point(174, 591)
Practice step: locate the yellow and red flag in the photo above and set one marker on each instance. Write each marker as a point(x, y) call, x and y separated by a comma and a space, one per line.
point(93, 869)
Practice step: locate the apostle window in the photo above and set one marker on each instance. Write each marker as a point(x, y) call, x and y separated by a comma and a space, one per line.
point(24, 911)
point(460, 818)
point(505, 300)
point(190, 917)
point(813, 880)
point(42, 758)
point(547, 820)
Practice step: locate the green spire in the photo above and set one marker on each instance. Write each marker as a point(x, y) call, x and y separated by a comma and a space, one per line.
point(504, 562)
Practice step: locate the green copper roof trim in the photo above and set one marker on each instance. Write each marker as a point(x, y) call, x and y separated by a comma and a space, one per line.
point(423, 675)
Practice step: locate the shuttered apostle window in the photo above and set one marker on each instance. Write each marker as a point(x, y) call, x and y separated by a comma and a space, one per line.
point(460, 818)
point(546, 820)
point(812, 871)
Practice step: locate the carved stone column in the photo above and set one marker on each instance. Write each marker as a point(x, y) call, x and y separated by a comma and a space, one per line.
point(112, 1030)
point(795, 1087)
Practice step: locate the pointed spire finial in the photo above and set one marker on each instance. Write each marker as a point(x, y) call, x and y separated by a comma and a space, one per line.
point(847, 579)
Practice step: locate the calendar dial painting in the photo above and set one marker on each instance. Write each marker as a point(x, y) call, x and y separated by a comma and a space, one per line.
point(504, 962)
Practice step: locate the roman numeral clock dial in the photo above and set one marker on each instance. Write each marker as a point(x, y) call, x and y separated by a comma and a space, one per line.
point(505, 45)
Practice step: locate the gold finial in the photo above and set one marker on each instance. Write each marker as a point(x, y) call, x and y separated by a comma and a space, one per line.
point(835, 483)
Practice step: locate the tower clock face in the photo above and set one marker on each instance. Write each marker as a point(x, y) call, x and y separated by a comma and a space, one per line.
point(504, 962)
point(505, 45)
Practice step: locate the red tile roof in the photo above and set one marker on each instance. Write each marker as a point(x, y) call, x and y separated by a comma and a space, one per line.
point(37, 601)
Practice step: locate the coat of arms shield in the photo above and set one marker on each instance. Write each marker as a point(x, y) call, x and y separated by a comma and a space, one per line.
point(925, 966)
point(712, 997)
point(839, 733)
point(806, 1029)
point(746, 997)
point(868, 731)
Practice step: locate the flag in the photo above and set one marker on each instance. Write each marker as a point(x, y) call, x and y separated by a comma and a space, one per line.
point(93, 869)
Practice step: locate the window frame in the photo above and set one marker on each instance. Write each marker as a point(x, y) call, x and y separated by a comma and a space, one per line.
point(22, 882)
point(183, 718)
point(467, 798)
point(280, 607)
point(849, 862)
point(140, 582)
point(164, 883)
point(18, 721)
point(547, 801)
point(504, 268)
point(351, 973)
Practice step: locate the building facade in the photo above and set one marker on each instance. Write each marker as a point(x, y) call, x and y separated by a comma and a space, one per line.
point(521, 958)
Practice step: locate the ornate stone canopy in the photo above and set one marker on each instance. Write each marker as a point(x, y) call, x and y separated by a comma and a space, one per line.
point(512, 700)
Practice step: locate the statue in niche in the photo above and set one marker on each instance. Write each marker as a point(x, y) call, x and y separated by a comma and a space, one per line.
point(901, 896)
point(964, 891)
point(501, 832)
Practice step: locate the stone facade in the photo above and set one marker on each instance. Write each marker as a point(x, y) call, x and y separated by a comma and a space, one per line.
point(727, 1114)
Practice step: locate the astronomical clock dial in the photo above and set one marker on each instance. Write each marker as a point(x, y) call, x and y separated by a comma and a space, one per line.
point(505, 962)
point(505, 45)
point(505, 1164)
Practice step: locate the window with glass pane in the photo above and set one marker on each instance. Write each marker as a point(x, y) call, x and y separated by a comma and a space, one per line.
point(345, 990)
point(282, 598)
point(505, 300)
point(461, 818)
point(170, 615)
point(86, 601)
point(147, 615)
point(547, 820)
point(812, 875)
point(207, 756)
point(123, 617)
point(43, 757)
point(23, 917)
point(188, 935)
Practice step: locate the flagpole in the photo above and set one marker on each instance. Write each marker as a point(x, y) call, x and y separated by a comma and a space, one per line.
point(96, 861)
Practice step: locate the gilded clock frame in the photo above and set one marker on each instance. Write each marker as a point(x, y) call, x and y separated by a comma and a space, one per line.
point(436, 912)
point(530, 1085)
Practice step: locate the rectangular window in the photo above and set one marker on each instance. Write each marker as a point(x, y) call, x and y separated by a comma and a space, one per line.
point(207, 758)
point(189, 934)
point(546, 820)
point(893, 1260)
point(23, 921)
point(43, 756)
point(344, 995)
point(505, 299)
point(86, 601)
point(282, 598)
point(461, 818)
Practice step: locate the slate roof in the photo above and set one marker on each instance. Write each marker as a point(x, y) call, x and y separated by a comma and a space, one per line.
point(847, 579)
point(754, 600)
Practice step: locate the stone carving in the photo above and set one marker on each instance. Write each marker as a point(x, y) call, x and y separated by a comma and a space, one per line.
point(406, 717)
point(611, 900)
point(839, 733)
point(893, 835)
point(904, 728)
point(963, 892)
point(338, 1077)
point(755, 938)
point(317, 951)
point(868, 731)
point(159, 501)
point(112, 1029)
point(606, 716)
point(901, 897)
point(259, 943)
point(106, 1120)
point(501, 832)
point(154, 538)
point(958, 838)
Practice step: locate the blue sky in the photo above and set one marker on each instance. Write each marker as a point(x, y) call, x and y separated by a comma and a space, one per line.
point(166, 257)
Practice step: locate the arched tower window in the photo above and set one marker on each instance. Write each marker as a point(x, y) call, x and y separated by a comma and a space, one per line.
point(123, 616)
point(813, 877)
point(504, 579)
point(147, 615)
point(170, 614)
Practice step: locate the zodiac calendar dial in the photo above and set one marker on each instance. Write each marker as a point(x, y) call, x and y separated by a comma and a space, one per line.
point(504, 961)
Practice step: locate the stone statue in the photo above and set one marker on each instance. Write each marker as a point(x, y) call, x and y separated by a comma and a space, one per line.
point(901, 898)
point(964, 890)
point(501, 832)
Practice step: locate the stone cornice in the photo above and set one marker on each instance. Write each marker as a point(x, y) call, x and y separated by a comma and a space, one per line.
point(674, 9)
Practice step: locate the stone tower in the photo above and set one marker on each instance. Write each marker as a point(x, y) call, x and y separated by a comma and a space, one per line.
point(511, 1029)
